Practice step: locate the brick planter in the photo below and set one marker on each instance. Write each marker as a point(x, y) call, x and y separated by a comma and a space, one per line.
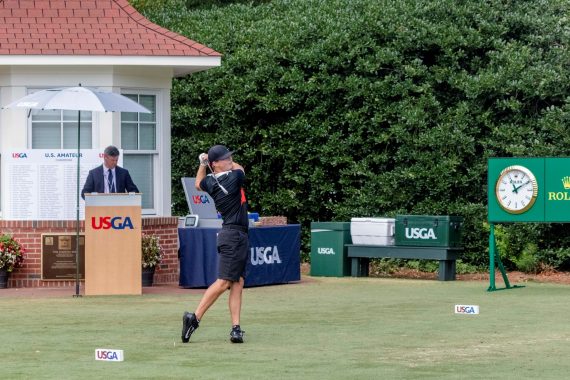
point(29, 233)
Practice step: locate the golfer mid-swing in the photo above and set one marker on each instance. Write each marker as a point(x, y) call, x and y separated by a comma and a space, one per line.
point(224, 185)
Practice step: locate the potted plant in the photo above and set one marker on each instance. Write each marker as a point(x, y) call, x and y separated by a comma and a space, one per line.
point(151, 257)
point(11, 256)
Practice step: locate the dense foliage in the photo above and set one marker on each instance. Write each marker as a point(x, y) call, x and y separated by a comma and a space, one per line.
point(342, 108)
point(151, 251)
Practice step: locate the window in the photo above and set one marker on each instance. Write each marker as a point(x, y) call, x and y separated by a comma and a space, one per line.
point(140, 167)
point(138, 141)
point(55, 129)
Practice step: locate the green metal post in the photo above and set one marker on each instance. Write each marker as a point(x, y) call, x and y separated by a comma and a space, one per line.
point(491, 258)
point(503, 272)
point(495, 259)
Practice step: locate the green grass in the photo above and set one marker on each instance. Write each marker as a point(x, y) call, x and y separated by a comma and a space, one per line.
point(324, 328)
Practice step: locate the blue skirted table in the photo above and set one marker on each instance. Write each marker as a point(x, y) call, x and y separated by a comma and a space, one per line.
point(273, 258)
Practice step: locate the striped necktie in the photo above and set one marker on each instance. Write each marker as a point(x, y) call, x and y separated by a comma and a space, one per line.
point(110, 182)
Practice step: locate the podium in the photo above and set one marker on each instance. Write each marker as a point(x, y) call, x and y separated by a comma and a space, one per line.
point(113, 244)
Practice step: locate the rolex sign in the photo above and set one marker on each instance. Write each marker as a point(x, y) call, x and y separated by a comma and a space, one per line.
point(556, 189)
point(543, 194)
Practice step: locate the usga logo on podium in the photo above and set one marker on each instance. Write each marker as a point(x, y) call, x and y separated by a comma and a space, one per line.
point(107, 222)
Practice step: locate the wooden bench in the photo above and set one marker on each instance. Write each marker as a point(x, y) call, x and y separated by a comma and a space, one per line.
point(360, 256)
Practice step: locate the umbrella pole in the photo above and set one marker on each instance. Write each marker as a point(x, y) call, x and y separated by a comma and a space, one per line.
point(77, 208)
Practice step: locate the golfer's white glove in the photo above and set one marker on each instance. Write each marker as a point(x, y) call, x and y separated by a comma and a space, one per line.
point(203, 158)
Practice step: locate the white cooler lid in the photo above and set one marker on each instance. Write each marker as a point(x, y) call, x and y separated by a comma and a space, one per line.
point(373, 220)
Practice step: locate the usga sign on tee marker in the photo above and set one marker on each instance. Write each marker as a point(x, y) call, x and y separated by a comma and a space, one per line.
point(466, 309)
point(109, 355)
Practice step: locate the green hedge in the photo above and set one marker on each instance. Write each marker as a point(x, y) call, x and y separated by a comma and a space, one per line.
point(343, 108)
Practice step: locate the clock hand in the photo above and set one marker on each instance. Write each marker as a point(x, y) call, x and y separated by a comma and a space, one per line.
point(516, 190)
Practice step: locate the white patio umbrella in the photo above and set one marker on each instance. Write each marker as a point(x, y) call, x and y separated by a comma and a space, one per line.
point(78, 99)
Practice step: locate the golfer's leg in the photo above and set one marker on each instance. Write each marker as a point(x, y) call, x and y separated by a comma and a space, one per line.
point(212, 293)
point(235, 301)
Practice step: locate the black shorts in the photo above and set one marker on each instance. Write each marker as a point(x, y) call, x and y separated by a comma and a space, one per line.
point(232, 254)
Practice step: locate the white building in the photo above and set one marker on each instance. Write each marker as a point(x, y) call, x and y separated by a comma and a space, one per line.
point(105, 44)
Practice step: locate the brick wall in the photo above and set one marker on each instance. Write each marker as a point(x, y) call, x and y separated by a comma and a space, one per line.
point(167, 230)
point(28, 234)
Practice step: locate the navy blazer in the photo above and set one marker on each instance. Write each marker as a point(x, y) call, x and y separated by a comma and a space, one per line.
point(96, 182)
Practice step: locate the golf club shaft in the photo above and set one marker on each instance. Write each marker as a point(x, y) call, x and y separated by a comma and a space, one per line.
point(216, 178)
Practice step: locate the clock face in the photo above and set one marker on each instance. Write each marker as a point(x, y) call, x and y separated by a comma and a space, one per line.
point(516, 189)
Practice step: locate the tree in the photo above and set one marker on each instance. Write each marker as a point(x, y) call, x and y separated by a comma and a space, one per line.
point(344, 108)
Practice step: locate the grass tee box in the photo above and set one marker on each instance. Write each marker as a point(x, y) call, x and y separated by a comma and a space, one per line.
point(428, 231)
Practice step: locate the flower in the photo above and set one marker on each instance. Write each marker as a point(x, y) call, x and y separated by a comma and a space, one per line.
point(11, 253)
point(151, 251)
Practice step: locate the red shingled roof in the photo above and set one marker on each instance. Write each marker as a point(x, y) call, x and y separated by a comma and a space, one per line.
point(87, 28)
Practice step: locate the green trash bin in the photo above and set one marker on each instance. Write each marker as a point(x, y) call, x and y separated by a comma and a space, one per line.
point(328, 253)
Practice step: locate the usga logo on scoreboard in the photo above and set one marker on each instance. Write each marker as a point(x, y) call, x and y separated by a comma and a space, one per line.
point(108, 355)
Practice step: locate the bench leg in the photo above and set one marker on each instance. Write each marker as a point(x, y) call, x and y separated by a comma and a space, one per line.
point(364, 264)
point(354, 267)
point(359, 267)
point(446, 270)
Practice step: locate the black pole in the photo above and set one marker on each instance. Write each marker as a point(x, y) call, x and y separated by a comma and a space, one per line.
point(77, 208)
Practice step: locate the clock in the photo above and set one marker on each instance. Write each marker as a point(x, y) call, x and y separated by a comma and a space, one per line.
point(516, 189)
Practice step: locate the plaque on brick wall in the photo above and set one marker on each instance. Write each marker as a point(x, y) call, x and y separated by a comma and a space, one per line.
point(58, 256)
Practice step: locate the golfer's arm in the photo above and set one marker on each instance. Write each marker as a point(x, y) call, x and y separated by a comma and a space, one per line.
point(200, 176)
point(236, 166)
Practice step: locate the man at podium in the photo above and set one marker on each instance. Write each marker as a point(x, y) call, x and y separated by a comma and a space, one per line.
point(108, 177)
